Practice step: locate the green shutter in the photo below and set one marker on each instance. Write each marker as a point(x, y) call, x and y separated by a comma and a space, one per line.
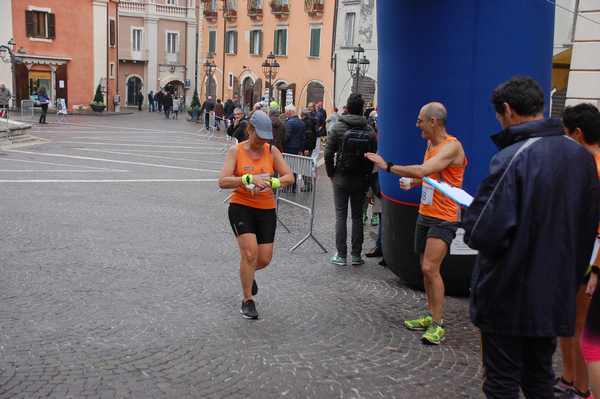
point(260, 41)
point(315, 42)
point(252, 33)
point(212, 41)
point(276, 43)
point(284, 42)
point(235, 40)
point(51, 26)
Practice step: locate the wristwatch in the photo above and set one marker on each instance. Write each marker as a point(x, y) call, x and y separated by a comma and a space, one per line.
point(389, 166)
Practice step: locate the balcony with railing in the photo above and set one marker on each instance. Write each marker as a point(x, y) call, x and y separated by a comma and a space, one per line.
point(280, 8)
point(210, 10)
point(255, 10)
point(314, 8)
point(230, 10)
point(159, 8)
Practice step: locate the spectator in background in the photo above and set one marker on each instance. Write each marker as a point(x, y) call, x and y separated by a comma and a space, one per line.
point(4, 97)
point(158, 99)
point(295, 132)
point(310, 130)
point(43, 100)
point(332, 119)
point(167, 104)
point(228, 109)
point(176, 106)
point(151, 101)
point(208, 107)
point(321, 118)
point(237, 129)
point(219, 113)
point(140, 100)
point(278, 129)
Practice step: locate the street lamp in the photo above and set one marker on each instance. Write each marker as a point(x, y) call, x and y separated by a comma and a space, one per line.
point(358, 66)
point(270, 68)
point(209, 67)
point(14, 60)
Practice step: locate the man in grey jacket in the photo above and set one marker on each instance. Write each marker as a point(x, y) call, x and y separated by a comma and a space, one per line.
point(349, 183)
point(4, 96)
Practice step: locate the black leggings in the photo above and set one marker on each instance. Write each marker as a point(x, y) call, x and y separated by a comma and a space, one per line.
point(44, 112)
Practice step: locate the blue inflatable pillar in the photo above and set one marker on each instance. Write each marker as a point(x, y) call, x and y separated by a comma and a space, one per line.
point(455, 52)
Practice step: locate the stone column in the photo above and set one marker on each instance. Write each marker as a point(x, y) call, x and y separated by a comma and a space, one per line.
point(151, 45)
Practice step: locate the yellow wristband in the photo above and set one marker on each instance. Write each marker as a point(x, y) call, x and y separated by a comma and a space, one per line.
point(247, 179)
point(275, 183)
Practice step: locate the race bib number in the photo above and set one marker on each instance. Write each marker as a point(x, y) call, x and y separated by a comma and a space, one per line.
point(426, 194)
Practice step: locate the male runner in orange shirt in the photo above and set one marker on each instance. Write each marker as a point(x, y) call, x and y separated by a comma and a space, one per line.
point(438, 218)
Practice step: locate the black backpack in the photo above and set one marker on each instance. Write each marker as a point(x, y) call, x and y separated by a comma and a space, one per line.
point(351, 157)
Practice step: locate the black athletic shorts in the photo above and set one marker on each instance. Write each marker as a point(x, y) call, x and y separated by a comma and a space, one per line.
point(428, 227)
point(261, 222)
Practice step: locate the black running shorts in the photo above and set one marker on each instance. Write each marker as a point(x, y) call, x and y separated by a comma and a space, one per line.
point(428, 227)
point(261, 222)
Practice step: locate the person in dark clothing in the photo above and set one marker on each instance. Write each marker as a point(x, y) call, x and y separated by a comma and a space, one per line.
point(158, 98)
point(278, 130)
point(348, 186)
point(140, 99)
point(321, 118)
point(208, 107)
point(310, 130)
point(151, 101)
point(228, 109)
point(295, 133)
point(167, 104)
point(219, 113)
point(533, 222)
point(43, 100)
point(237, 129)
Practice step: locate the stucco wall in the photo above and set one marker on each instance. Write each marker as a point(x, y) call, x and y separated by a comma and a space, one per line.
point(5, 35)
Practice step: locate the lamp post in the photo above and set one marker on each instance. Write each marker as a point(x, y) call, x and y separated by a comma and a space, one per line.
point(270, 68)
point(14, 60)
point(358, 66)
point(209, 67)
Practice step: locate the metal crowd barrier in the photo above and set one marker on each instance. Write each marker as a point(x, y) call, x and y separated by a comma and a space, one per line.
point(26, 109)
point(306, 167)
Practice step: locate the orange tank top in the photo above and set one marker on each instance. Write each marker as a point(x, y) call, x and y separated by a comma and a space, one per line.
point(262, 166)
point(433, 203)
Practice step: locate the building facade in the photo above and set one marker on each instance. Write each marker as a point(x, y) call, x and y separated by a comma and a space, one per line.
point(6, 35)
point(356, 25)
point(69, 69)
point(157, 47)
point(241, 34)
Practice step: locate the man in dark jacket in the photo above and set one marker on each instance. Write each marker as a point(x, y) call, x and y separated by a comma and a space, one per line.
point(140, 100)
point(207, 108)
point(237, 129)
point(533, 222)
point(228, 109)
point(310, 129)
point(159, 97)
point(295, 135)
point(151, 101)
point(349, 186)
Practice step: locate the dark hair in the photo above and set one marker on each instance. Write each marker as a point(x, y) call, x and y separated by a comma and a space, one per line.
point(585, 117)
point(522, 93)
point(355, 104)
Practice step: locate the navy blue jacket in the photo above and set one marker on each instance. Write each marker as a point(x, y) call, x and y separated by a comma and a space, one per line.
point(295, 135)
point(533, 222)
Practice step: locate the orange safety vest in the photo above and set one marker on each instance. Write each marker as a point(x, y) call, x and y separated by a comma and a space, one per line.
point(433, 203)
point(245, 164)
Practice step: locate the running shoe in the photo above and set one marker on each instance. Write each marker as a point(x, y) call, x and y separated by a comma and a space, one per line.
point(248, 310)
point(254, 288)
point(561, 385)
point(434, 335)
point(573, 393)
point(338, 260)
point(420, 324)
point(375, 219)
point(357, 260)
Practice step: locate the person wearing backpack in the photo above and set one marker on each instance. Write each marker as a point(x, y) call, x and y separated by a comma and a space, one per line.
point(347, 143)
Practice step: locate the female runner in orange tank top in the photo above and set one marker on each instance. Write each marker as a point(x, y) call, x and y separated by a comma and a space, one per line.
point(249, 169)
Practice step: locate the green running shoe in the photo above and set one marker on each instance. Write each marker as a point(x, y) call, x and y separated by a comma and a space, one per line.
point(357, 260)
point(420, 324)
point(375, 219)
point(338, 260)
point(434, 334)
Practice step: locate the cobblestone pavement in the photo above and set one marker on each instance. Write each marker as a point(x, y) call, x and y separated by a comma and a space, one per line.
point(119, 279)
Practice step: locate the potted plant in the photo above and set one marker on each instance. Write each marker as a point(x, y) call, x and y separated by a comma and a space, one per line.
point(194, 109)
point(98, 103)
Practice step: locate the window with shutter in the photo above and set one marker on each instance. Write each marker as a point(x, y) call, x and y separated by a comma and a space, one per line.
point(29, 23)
point(280, 42)
point(349, 29)
point(112, 33)
point(315, 41)
point(212, 41)
point(51, 26)
point(260, 42)
point(235, 41)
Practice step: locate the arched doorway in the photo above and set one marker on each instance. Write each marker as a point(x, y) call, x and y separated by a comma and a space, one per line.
point(285, 94)
point(258, 91)
point(175, 87)
point(134, 86)
point(248, 93)
point(315, 92)
point(236, 87)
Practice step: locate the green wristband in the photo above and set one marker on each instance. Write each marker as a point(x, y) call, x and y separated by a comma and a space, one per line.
point(275, 183)
point(247, 179)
